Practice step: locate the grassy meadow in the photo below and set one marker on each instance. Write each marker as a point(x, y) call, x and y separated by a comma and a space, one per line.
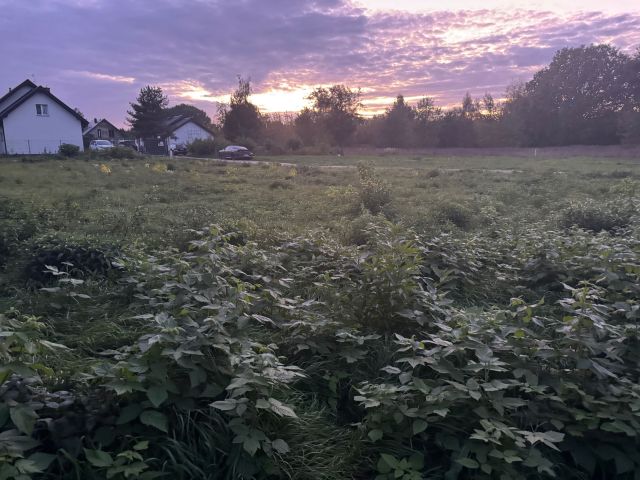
point(353, 317)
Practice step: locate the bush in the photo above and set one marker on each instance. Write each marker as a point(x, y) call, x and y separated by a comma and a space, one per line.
point(204, 147)
point(454, 213)
point(68, 150)
point(596, 217)
point(121, 152)
point(375, 193)
point(52, 257)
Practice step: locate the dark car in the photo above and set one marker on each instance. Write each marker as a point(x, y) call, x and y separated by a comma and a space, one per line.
point(179, 149)
point(235, 152)
point(129, 144)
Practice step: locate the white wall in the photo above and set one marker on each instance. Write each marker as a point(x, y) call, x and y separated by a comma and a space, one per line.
point(15, 95)
point(25, 132)
point(189, 132)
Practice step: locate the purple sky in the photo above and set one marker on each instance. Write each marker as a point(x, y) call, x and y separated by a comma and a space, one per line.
point(97, 54)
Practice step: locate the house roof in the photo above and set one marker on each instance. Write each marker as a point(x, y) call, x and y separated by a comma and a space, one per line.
point(175, 122)
point(93, 125)
point(4, 113)
point(26, 83)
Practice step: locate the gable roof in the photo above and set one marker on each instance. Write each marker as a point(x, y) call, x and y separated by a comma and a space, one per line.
point(4, 113)
point(26, 83)
point(177, 121)
point(93, 125)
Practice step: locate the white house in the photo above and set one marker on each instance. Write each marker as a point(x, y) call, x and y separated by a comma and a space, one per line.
point(180, 129)
point(33, 121)
point(184, 130)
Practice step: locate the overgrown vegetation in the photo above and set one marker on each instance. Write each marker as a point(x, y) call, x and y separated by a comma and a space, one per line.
point(391, 331)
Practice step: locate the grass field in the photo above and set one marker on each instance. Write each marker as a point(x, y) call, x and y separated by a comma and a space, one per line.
point(140, 199)
point(350, 317)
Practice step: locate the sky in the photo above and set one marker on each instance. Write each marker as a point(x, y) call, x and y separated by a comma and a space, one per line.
point(97, 54)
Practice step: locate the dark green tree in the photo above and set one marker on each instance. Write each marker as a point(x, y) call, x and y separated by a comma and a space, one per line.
point(427, 115)
point(190, 111)
point(147, 114)
point(306, 126)
point(336, 109)
point(242, 118)
point(577, 99)
point(399, 124)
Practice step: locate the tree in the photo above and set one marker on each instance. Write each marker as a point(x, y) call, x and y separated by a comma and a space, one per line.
point(147, 115)
point(190, 111)
point(336, 108)
point(398, 124)
point(242, 119)
point(489, 106)
point(306, 126)
point(577, 98)
point(427, 115)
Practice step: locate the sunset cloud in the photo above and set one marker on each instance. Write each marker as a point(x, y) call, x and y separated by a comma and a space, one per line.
point(195, 49)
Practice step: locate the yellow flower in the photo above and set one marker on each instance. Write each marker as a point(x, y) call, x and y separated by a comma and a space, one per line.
point(105, 169)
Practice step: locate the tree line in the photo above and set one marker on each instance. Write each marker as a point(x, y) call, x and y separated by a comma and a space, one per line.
point(587, 95)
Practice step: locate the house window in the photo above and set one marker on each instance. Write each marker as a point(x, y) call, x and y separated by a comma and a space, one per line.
point(42, 109)
point(111, 133)
point(99, 133)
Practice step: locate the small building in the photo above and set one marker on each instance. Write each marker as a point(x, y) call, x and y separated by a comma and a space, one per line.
point(102, 129)
point(180, 130)
point(34, 121)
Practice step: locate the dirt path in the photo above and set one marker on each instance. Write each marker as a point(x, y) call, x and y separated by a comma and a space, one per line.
point(338, 167)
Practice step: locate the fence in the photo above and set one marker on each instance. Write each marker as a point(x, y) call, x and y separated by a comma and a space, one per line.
point(32, 146)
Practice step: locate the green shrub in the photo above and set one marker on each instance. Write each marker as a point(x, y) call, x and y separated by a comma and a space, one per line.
point(68, 150)
point(203, 148)
point(120, 152)
point(51, 257)
point(596, 216)
point(375, 193)
point(454, 213)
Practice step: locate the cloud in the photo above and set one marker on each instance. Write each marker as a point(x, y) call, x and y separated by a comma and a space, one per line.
point(102, 76)
point(97, 54)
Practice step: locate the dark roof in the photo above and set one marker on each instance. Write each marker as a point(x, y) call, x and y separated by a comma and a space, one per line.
point(26, 83)
point(91, 127)
point(4, 113)
point(176, 121)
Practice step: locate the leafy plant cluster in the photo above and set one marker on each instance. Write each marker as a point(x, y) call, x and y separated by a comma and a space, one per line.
point(512, 355)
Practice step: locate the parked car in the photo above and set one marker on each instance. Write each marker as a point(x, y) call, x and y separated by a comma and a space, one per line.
point(179, 149)
point(235, 152)
point(100, 145)
point(129, 144)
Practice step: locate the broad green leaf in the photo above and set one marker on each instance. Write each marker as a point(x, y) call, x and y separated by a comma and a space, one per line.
point(468, 463)
point(157, 395)
point(251, 445)
point(225, 405)
point(375, 435)
point(24, 418)
point(156, 419)
point(98, 458)
point(280, 446)
point(419, 426)
point(129, 413)
point(42, 460)
point(389, 460)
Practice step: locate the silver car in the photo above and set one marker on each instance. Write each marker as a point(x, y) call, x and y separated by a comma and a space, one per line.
point(100, 145)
